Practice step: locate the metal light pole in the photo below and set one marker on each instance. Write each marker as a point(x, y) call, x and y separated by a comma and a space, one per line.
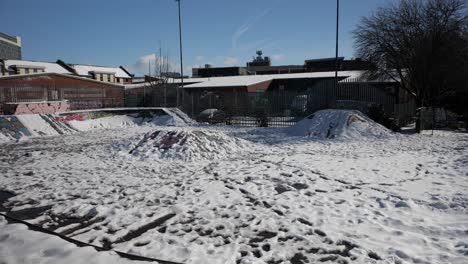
point(181, 58)
point(337, 39)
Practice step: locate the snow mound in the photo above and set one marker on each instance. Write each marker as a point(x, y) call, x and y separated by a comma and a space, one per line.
point(186, 145)
point(343, 124)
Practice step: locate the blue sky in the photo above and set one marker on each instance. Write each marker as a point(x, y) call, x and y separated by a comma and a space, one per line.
point(222, 33)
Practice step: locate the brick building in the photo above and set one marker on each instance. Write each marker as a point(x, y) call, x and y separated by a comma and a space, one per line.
point(39, 88)
point(117, 75)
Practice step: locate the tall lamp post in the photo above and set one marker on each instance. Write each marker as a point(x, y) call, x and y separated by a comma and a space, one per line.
point(337, 35)
point(181, 58)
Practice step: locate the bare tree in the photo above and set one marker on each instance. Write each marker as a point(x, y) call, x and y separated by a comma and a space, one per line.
point(423, 43)
point(156, 89)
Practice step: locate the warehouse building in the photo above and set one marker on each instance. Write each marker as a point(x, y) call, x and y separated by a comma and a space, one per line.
point(261, 65)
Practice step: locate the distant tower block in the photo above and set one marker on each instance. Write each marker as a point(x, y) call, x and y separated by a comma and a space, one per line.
point(259, 60)
point(10, 47)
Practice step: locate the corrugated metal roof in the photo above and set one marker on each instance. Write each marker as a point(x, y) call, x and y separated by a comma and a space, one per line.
point(247, 80)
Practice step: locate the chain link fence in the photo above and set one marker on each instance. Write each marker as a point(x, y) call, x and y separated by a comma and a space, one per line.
point(274, 108)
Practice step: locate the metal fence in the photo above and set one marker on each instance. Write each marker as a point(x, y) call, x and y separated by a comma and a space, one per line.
point(405, 112)
point(276, 108)
point(152, 96)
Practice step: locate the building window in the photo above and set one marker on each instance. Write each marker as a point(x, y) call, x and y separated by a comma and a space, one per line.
point(100, 78)
point(108, 78)
point(35, 70)
point(26, 71)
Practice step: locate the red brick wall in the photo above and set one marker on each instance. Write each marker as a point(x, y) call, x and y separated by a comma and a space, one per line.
point(81, 93)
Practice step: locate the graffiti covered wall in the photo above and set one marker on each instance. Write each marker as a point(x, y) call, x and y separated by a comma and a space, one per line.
point(36, 108)
point(81, 93)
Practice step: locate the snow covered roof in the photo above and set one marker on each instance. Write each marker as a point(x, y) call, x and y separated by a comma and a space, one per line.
point(85, 70)
point(231, 81)
point(50, 74)
point(187, 81)
point(391, 77)
point(49, 67)
point(136, 85)
point(247, 80)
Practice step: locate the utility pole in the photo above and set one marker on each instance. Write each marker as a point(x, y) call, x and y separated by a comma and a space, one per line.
point(181, 58)
point(337, 39)
point(149, 81)
point(161, 61)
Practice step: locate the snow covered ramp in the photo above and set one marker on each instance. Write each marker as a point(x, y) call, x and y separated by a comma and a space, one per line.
point(186, 145)
point(345, 124)
point(19, 127)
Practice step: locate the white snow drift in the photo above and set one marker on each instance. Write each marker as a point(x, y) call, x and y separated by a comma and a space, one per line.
point(187, 145)
point(343, 124)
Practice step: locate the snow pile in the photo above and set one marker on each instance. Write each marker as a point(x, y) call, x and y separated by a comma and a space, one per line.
point(345, 124)
point(186, 145)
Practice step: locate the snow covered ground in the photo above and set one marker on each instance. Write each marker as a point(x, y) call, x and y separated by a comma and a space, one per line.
point(20, 245)
point(269, 197)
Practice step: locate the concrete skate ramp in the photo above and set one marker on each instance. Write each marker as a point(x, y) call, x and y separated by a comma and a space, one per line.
point(18, 127)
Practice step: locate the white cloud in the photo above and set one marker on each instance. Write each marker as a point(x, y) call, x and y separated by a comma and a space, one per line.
point(146, 62)
point(230, 61)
